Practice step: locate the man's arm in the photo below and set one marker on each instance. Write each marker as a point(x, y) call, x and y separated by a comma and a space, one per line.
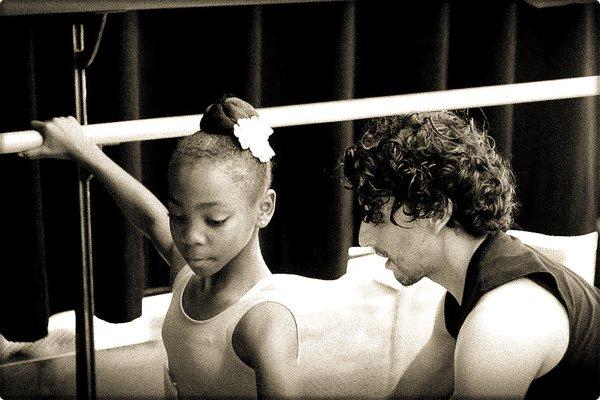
point(516, 333)
point(266, 339)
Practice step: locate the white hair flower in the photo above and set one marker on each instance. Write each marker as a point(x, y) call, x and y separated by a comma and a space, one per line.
point(253, 134)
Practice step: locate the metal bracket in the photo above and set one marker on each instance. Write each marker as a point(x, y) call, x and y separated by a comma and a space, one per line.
point(84, 58)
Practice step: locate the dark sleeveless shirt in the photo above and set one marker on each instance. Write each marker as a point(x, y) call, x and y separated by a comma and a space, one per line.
point(501, 259)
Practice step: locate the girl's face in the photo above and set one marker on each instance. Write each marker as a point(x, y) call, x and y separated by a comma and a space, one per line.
point(212, 216)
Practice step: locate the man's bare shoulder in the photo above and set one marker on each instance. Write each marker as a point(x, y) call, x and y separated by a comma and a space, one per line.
point(519, 329)
point(519, 305)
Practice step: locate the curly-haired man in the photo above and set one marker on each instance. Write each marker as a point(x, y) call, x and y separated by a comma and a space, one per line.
point(437, 200)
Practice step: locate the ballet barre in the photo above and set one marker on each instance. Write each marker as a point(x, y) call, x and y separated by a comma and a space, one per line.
point(45, 7)
point(330, 111)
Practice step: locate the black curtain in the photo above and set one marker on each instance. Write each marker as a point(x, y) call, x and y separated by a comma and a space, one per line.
point(176, 62)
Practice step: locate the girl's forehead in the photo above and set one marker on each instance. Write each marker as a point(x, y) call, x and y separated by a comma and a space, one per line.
point(206, 182)
point(204, 170)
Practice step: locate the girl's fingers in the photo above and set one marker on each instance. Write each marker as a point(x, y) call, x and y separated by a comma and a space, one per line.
point(62, 122)
point(31, 154)
point(43, 152)
point(68, 124)
point(40, 127)
point(58, 134)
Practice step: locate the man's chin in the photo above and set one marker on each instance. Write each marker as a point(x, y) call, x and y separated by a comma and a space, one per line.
point(403, 279)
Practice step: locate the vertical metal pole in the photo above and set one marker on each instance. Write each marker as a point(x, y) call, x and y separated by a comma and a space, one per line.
point(84, 313)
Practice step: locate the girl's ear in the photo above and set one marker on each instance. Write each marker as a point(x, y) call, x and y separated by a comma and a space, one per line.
point(442, 220)
point(266, 207)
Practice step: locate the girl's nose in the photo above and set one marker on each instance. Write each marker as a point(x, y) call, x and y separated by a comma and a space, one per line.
point(193, 235)
point(365, 235)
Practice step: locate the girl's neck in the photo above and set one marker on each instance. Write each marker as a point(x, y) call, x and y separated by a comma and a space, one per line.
point(244, 271)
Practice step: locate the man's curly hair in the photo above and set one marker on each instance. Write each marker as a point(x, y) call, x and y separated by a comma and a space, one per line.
point(422, 160)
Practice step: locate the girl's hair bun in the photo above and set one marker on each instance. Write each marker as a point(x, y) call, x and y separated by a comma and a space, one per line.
point(219, 118)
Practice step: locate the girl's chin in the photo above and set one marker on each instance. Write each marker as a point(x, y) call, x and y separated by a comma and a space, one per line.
point(204, 267)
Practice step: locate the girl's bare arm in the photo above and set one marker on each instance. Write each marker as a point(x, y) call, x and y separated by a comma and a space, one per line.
point(64, 138)
point(266, 339)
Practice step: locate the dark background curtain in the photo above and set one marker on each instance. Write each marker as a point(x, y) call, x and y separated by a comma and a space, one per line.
point(175, 62)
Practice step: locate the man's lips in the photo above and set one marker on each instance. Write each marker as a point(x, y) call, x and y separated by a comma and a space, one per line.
point(381, 253)
point(389, 264)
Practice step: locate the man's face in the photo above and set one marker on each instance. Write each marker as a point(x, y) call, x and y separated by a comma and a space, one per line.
point(410, 246)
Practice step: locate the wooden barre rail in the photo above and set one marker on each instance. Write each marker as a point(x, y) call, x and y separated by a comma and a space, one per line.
point(332, 111)
point(37, 7)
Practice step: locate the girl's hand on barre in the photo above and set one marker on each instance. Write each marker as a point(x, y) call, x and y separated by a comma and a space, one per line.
point(63, 138)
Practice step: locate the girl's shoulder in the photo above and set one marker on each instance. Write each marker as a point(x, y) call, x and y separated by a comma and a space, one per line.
point(272, 306)
point(266, 332)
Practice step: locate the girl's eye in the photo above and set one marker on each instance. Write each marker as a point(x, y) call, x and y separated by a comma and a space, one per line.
point(215, 222)
point(176, 217)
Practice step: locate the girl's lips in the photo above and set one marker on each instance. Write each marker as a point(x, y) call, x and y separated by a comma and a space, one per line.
point(192, 259)
point(199, 262)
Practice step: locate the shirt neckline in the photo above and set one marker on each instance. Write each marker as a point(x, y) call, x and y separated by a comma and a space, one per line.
point(257, 286)
point(474, 266)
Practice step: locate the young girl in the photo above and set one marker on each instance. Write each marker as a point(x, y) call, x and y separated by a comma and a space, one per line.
point(219, 199)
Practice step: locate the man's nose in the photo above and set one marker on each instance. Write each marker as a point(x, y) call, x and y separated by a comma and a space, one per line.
point(365, 235)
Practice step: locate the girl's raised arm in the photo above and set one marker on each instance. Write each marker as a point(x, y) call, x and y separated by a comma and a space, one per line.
point(64, 138)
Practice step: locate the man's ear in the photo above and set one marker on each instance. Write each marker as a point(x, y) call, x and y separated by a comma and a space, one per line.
point(266, 207)
point(441, 220)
